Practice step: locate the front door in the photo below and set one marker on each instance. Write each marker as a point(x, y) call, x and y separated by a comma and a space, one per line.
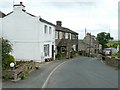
point(52, 52)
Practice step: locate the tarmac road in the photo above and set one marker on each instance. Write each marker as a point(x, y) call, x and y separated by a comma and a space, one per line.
point(80, 72)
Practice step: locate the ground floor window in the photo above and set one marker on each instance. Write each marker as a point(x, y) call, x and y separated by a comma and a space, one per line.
point(46, 49)
point(74, 47)
point(63, 49)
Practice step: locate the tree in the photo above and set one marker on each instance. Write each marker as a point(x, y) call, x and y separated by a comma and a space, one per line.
point(5, 49)
point(103, 38)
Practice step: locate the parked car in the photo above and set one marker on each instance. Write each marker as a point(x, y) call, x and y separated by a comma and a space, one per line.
point(108, 52)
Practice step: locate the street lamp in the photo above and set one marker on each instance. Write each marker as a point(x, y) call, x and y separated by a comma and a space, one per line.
point(12, 65)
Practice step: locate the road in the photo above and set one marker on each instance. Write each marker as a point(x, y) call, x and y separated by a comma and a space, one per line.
point(80, 72)
point(84, 73)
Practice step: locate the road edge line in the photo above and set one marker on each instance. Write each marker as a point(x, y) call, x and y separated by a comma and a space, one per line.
point(46, 81)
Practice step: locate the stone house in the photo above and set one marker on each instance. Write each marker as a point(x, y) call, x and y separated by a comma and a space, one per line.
point(65, 40)
point(89, 44)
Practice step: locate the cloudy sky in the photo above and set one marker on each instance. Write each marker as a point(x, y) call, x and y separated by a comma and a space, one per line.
point(94, 15)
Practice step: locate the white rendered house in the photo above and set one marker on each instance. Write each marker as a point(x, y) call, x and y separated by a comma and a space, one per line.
point(33, 38)
point(1, 18)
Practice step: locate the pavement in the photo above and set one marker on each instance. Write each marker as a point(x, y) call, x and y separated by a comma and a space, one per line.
point(80, 72)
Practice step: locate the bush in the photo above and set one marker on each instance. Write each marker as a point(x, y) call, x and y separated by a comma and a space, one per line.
point(114, 54)
point(6, 63)
point(23, 76)
point(26, 72)
point(5, 50)
point(59, 56)
point(7, 76)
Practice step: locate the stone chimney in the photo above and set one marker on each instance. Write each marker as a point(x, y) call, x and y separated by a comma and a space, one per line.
point(59, 23)
point(19, 6)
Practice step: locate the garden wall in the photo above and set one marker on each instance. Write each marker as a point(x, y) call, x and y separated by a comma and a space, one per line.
point(113, 62)
point(19, 72)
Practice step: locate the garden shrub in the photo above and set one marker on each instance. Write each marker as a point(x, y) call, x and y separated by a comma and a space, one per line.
point(58, 56)
point(23, 76)
point(5, 49)
point(7, 76)
point(115, 55)
point(26, 72)
point(8, 59)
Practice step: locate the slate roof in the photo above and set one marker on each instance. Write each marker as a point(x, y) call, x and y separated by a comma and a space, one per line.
point(2, 14)
point(63, 29)
point(43, 20)
point(58, 28)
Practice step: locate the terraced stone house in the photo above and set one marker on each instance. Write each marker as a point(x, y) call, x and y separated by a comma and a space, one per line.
point(66, 40)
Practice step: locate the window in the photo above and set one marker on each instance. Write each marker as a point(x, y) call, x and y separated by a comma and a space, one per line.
point(45, 29)
point(50, 30)
point(74, 47)
point(66, 35)
point(73, 36)
point(70, 36)
point(63, 49)
point(56, 34)
point(76, 36)
point(46, 49)
point(60, 35)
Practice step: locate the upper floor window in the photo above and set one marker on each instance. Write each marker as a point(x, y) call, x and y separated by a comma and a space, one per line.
point(56, 34)
point(73, 36)
point(66, 35)
point(50, 30)
point(45, 29)
point(69, 35)
point(76, 36)
point(60, 35)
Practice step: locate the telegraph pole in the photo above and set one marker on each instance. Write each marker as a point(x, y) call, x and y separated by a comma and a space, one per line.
point(89, 44)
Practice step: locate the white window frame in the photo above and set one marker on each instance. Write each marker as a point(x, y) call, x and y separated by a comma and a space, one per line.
point(60, 35)
point(50, 30)
point(46, 50)
point(66, 35)
point(56, 34)
point(45, 29)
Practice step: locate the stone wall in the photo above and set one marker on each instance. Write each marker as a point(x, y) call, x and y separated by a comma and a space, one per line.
point(115, 62)
point(19, 71)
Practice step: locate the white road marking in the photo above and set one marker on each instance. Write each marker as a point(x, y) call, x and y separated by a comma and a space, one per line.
point(45, 83)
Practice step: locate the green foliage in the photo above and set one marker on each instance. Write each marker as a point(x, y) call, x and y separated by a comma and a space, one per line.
point(59, 56)
point(7, 76)
point(114, 54)
point(103, 38)
point(6, 48)
point(23, 76)
point(113, 44)
point(26, 72)
point(6, 62)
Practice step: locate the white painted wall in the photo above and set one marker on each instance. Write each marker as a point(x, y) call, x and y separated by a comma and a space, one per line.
point(48, 38)
point(26, 33)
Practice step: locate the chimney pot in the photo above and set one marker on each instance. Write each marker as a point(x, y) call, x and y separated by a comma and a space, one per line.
point(21, 3)
point(59, 23)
